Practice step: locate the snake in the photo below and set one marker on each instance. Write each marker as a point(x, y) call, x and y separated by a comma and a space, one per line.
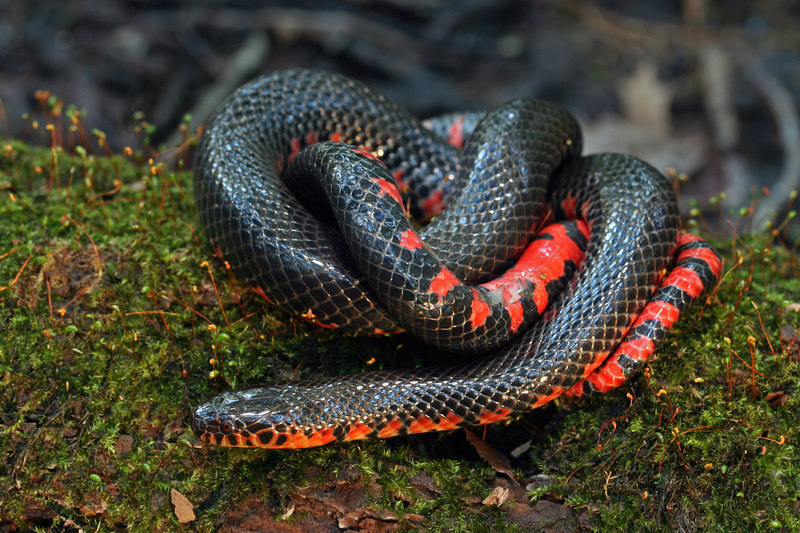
point(549, 272)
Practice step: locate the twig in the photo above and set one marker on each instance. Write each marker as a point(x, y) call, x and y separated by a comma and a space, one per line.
point(337, 28)
point(718, 81)
point(716, 73)
point(783, 108)
point(624, 32)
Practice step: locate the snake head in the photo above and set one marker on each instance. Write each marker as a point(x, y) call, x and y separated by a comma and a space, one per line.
point(266, 417)
point(253, 418)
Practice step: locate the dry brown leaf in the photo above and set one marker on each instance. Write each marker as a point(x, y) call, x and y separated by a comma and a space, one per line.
point(498, 497)
point(124, 444)
point(498, 461)
point(777, 398)
point(184, 510)
point(93, 505)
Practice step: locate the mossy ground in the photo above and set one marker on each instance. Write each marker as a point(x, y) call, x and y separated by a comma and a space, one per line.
point(116, 319)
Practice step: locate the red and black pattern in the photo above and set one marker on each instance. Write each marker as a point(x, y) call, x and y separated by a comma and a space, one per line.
point(408, 276)
point(697, 267)
point(263, 160)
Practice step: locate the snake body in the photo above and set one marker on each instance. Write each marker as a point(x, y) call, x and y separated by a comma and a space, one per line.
point(303, 139)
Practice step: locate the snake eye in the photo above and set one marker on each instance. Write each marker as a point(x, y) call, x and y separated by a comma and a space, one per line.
point(226, 428)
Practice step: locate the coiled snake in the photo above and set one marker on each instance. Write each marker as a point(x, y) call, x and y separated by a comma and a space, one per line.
point(301, 139)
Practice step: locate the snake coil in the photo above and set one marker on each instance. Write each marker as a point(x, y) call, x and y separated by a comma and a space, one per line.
point(299, 138)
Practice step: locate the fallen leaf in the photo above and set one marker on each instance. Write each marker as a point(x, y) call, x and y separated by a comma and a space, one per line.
point(498, 461)
point(184, 510)
point(288, 512)
point(35, 511)
point(124, 444)
point(93, 505)
point(424, 482)
point(498, 497)
point(777, 398)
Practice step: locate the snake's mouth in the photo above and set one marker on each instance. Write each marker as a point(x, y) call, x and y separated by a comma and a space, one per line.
point(215, 425)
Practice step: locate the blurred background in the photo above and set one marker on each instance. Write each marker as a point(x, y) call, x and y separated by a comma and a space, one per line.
point(709, 89)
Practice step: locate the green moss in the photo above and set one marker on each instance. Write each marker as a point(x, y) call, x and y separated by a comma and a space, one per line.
point(111, 327)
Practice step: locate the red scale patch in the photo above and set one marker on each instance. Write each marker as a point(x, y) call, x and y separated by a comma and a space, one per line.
point(516, 312)
point(686, 238)
point(597, 360)
point(480, 310)
point(422, 424)
point(398, 177)
point(663, 312)
point(705, 254)
point(449, 422)
point(570, 206)
point(456, 137)
point(388, 188)
point(318, 438)
point(443, 282)
point(685, 279)
point(293, 440)
point(410, 240)
point(391, 429)
point(637, 349)
point(358, 431)
point(557, 391)
point(488, 418)
point(542, 261)
point(363, 152)
point(433, 204)
point(607, 378)
point(295, 144)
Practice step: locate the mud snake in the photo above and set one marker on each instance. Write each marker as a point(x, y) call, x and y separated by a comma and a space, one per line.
point(302, 141)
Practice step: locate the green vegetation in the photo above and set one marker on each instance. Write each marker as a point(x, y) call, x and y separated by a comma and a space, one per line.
point(116, 319)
